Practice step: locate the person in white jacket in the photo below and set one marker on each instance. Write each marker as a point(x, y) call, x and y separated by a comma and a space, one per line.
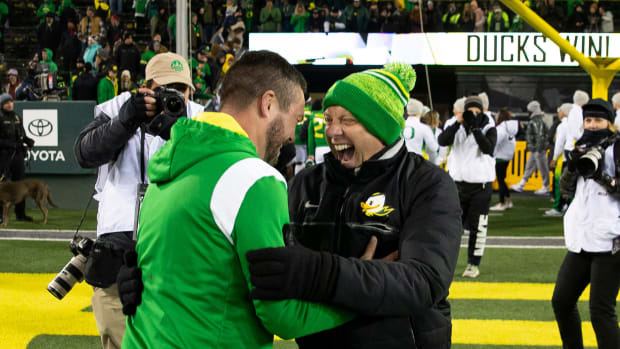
point(431, 118)
point(560, 140)
point(575, 119)
point(591, 234)
point(418, 136)
point(507, 129)
point(615, 100)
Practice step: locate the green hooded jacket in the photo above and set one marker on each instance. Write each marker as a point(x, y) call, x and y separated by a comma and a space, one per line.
point(46, 6)
point(65, 4)
point(210, 201)
point(49, 61)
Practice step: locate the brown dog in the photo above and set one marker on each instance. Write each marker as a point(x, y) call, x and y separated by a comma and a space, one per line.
point(14, 192)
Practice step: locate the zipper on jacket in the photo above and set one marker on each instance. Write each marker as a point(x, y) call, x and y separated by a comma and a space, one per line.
point(340, 215)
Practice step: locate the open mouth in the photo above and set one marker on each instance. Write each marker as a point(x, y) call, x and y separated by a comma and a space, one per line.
point(344, 152)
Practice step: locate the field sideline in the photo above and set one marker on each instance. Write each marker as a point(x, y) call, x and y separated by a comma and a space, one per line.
point(507, 307)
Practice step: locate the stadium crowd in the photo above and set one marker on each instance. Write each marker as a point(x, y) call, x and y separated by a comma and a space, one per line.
point(99, 49)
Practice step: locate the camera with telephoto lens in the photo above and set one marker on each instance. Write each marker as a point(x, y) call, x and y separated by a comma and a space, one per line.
point(170, 101)
point(74, 270)
point(591, 160)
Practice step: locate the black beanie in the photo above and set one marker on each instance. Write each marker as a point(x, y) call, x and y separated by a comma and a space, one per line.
point(599, 108)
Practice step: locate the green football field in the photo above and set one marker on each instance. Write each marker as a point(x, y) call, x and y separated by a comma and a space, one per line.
point(508, 306)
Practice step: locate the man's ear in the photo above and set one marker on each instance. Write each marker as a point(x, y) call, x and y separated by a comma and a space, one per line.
point(266, 103)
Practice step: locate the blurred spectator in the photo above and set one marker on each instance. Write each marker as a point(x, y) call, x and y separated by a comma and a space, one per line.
point(270, 17)
point(91, 50)
point(172, 27)
point(46, 7)
point(107, 87)
point(90, 25)
point(127, 55)
point(159, 24)
point(433, 17)
point(390, 18)
point(66, 12)
point(237, 32)
point(102, 9)
point(116, 7)
point(103, 62)
point(85, 85)
point(467, 22)
point(607, 18)
point(209, 19)
point(49, 32)
point(594, 19)
point(451, 18)
point(70, 47)
point(4, 11)
point(576, 22)
point(162, 47)
point(13, 82)
point(334, 22)
point(79, 67)
point(498, 20)
point(196, 33)
point(299, 18)
point(480, 18)
point(287, 12)
point(375, 20)
point(126, 84)
point(229, 13)
point(415, 24)
point(140, 13)
point(356, 17)
point(552, 13)
point(115, 30)
point(47, 60)
point(201, 95)
point(25, 91)
point(152, 49)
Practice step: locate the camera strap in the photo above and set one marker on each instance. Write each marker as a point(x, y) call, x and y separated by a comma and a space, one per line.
point(141, 189)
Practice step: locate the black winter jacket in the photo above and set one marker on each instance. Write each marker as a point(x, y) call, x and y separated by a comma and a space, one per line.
point(408, 204)
point(12, 134)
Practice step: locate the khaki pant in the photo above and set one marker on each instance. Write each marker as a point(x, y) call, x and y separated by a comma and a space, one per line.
point(109, 316)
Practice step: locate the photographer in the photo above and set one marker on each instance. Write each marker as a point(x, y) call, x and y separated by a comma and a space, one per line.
point(120, 141)
point(13, 143)
point(591, 231)
point(471, 165)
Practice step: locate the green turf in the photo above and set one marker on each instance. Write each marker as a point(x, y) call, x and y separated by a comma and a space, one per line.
point(514, 265)
point(46, 341)
point(525, 218)
point(56, 219)
point(20, 256)
point(496, 309)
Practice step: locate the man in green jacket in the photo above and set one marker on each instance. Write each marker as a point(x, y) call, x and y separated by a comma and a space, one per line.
point(270, 17)
point(213, 197)
point(108, 86)
point(46, 58)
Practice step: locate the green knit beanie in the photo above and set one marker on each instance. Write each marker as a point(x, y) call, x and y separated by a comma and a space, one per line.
point(377, 98)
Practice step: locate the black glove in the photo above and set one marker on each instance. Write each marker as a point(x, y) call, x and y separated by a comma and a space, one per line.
point(571, 159)
point(133, 112)
point(29, 142)
point(129, 281)
point(161, 125)
point(469, 120)
point(292, 272)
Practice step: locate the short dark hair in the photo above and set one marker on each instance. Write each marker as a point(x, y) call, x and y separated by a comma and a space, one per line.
point(259, 71)
point(503, 115)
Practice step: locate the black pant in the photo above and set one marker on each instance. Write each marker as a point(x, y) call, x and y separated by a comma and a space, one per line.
point(475, 199)
point(500, 172)
point(602, 272)
point(12, 166)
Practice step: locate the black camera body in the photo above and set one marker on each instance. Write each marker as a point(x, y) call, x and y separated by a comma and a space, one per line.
point(591, 160)
point(170, 101)
point(74, 270)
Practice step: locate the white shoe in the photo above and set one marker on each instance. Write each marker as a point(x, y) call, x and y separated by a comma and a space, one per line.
point(517, 187)
point(509, 204)
point(542, 191)
point(471, 271)
point(553, 213)
point(498, 207)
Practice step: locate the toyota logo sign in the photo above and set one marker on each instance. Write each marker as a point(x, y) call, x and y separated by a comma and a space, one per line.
point(40, 127)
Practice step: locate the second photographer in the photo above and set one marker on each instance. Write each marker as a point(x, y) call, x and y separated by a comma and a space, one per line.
point(126, 132)
point(591, 231)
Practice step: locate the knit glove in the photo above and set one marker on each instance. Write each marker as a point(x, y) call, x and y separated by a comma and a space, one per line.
point(133, 112)
point(129, 282)
point(292, 272)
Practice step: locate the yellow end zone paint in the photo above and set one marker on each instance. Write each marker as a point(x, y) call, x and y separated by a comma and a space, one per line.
point(506, 290)
point(29, 310)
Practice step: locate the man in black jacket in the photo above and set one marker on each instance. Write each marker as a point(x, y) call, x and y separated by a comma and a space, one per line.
point(370, 189)
point(13, 143)
point(128, 56)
